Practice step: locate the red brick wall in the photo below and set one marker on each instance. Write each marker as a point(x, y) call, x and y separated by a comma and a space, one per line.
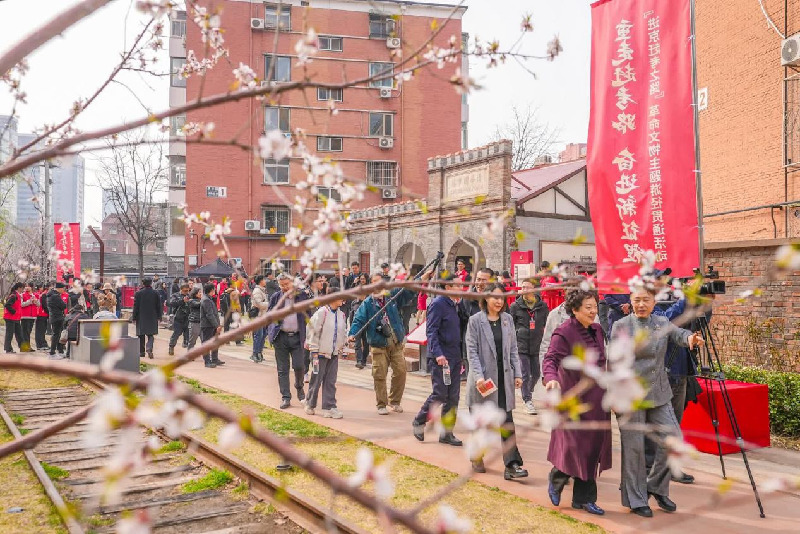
point(761, 330)
point(427, 120)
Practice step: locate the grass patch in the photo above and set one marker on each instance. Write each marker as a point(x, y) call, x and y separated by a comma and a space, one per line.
point(284, 424)
point(54, 472)
point(18, 379)
point(264, 508)
point(241, 492)
point(18, 419)
point(216, 478)
point(172, 446)
point(197, 386)
point(98, 521)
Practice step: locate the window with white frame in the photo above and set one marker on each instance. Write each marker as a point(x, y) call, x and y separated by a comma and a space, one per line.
point(382, 173)
point(177, 173)
point(383, 71)
point(278, 16)
point(276, 220)
point(381, 26)
point(323, 93)
point(175, 66)
point(281, 72)
point(277, 119)
point(324, 193)
point(381, 124)
point(178, 25)
point(332, 44)
point(329, 144)
point(276, 171)
point(176, 123)
point(277, 266)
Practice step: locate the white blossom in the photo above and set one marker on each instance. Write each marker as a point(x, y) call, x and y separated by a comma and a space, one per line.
point(678, 452)
point(275, 145)
point(138, 523)
point(549, 415)
point(788, 257)
point(230, 436)
point(245, 76)
point(450, 523)
point(107, 413)
point(306, 47)
point(554, 48)
point(366, 470)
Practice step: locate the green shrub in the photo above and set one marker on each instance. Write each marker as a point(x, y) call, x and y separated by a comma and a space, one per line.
point(784, 396)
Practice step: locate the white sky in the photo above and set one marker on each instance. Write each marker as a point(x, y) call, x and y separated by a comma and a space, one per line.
point(72, 66)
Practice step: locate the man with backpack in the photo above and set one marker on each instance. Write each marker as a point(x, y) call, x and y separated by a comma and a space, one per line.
point(179, 303)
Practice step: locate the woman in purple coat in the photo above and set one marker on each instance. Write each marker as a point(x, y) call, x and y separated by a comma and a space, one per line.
point(578, 453)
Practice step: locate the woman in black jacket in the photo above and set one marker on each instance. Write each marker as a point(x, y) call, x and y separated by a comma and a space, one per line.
point(194, 316)
point(530, 315)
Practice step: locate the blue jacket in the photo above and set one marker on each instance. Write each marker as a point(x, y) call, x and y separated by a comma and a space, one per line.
point(443, 328)
point(680, 364)
point(369, 308)
point(614, 303)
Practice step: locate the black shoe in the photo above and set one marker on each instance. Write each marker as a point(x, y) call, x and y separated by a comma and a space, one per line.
point(260, 357)
point(664, 502)
point(185, 345)
point(515, 471)
point(301, 396)
point(360, 366)
point(553, 493)
point(219, 362)
point(419, 431)
point(478, 467)
point(643, 511)
point(254, 357)
point(450, 439)
point(150, 354)
point(211, 365)
point(285, 403)
point(684, 479)
point(171, 351)
point(590, 507)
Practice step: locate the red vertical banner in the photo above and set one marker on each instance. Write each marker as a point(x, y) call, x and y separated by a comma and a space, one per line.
point(641, 158)
point(68, 245)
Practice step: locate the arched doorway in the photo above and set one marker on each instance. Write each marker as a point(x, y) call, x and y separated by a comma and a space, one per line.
point(412, 257)
point(467, 250)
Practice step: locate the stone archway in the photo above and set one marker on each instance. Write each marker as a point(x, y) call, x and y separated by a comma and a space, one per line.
point(468, 250)
point(411, 256)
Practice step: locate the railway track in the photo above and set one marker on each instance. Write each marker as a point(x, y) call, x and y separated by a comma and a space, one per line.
point(164, 487)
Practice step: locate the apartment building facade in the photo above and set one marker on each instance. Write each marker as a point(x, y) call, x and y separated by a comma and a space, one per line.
point(381, 134)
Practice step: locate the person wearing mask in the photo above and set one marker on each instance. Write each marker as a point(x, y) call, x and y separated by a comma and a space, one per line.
point(580, 454)
point(12, 316)
point(443, 330)
point(179, 304)
point(530, 315)
point(361, 346)
point(209, 324)
point(193, 318)
point(379, 317)
point(40, 327)
point(288, 336)
point(30, 309)
point(56, 308)
point(260, 307)
point(147, 312)
point(327, 336)
point(639, 484)
point(492, 351)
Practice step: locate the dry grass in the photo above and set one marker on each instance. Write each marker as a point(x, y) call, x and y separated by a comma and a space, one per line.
point(18, 379)
point(490, 509)
point(785, 442)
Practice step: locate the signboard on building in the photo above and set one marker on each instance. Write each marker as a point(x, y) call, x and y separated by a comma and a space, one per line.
point(213, 191)
point(469, 183)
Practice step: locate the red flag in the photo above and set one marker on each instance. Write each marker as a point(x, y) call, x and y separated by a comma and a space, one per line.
point(68, 244)
point(641, 160)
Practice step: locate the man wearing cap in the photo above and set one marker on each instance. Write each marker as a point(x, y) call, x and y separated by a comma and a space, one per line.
point(147, 311)
point(385, 270)
point(56, 308)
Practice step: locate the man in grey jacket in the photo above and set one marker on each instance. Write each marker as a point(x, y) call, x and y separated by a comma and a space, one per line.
point(209, 324)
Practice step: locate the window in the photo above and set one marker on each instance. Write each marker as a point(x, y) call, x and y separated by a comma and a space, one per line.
point(385, 72)
point(273, 18)
point(380, 26)
point(276, 220)
point(175, 66)
point(277, 266)
point(276, 171)
point(334, 44)
point(282, 72)
point(176, 123)
point(382, 173)
point(178, 25)
point(277, 119)
point(177, 175)
point(329, 144)
point(381, 124)
point(324, 193)
point(337, 95)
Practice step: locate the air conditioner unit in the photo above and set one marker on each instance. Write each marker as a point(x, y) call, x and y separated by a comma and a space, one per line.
point(257, 24)
point(252, 226)
point(393, 42)
point(385, 92)
point(386, 142)
point(236, 262)
point(790, 51)
point(389, 193)
point(269, 83)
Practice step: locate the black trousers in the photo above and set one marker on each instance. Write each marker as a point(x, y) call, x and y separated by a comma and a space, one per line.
point(206, 334)
point(442, 394)
point(583, 491)
point(511, 455)
point(27, 328)
point(288, 348)
point(145, 345)
point(179, 328)
point(40, 332)
point(13, 330)
point(57, 325)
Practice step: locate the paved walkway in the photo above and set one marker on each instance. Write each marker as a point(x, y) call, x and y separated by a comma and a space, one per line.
point(699, 507)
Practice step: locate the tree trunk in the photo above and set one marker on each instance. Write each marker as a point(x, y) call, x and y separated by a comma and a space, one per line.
point(141, 264)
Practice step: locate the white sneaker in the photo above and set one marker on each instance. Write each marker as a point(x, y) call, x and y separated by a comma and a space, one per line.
point(309, 410)
point(530, 409)
point(383, 411)
point(396, 408)
point(333, 413)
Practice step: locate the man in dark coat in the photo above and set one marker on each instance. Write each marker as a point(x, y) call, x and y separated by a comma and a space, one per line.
point(443, 329)
point(272, 286)
point(288, 336)
point(56, 308)
point(179, 304)
point(147, 311)
point(529, 312)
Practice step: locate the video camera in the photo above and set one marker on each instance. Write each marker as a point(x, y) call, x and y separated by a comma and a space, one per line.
point(714, 286)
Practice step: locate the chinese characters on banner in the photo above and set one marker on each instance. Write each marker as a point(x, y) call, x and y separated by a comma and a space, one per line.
point(641, 164)
point(68, 244)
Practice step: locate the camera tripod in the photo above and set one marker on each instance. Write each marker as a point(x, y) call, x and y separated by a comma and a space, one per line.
point(710, 371)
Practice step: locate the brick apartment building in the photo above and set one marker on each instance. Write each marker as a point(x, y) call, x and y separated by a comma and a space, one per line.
point(382, 134)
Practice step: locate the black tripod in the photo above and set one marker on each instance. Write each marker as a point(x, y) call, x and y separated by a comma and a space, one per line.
point(710, 370)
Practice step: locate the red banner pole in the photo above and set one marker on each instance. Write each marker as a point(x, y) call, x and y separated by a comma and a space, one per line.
point(697, 172)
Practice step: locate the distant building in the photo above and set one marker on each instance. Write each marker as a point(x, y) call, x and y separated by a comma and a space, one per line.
point(118, 242)
point(572, 152)
point(8, 187)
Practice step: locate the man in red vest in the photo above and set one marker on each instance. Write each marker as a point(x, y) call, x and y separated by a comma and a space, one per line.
point(12, 315)
point(40, 329)
point(30, 309)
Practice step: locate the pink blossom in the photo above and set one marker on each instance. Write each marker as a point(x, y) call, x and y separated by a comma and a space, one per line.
point(450, 523)
point(366, 470)
point(678, 452)
point(306, 47)
point(230, 437)
point(275, 145)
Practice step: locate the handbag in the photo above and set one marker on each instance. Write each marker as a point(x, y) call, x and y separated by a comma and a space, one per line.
point(252, 312)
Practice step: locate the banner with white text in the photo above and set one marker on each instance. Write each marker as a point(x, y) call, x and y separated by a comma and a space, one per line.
point(68, 245)
point(641, 160)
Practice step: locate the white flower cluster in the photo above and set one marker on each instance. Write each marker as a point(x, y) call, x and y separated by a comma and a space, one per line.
point(210, 34)
point(245, 76)
point(306, 47)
